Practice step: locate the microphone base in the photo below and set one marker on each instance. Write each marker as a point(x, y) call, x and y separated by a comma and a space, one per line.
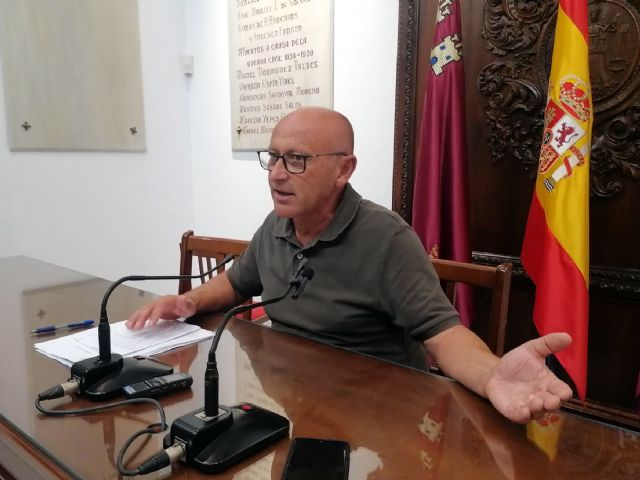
point(99, 381)
point(212, 445)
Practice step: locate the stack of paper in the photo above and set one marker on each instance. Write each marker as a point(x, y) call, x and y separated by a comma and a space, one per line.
point(128, 343)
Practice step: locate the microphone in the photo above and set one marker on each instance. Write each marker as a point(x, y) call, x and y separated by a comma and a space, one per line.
point(216, 437)
point(102, 377)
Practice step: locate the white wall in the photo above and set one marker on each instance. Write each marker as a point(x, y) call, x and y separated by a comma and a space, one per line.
point(231, 194)
point(111, 214)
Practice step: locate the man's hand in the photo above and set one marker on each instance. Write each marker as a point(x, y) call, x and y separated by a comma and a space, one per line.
point(168, 307)
point(521, 387)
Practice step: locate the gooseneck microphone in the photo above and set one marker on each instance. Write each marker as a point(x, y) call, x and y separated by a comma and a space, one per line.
point(296, 285)
point(102, 377)
point(216, 437)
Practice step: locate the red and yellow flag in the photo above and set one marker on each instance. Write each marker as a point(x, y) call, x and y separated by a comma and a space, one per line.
point(440, 203)
point(555, 252)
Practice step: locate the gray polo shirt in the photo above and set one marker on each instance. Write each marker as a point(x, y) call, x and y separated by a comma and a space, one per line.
point(373, 287)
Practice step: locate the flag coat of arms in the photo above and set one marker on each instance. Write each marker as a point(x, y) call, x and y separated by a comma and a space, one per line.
point(555, 250)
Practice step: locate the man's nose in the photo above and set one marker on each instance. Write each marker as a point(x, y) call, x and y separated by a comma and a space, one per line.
point(278, 170)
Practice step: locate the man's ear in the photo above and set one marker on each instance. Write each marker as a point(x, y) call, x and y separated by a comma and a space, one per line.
point(347, 167)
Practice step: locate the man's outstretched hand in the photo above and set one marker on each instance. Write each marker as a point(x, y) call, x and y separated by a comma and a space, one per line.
point(168, 307)
point(521, 387)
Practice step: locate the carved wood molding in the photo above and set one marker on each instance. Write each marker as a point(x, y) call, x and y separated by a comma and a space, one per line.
point(521, 34)
point(610, 281)
point(405, 109)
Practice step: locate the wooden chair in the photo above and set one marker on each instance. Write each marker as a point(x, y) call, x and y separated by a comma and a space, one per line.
point(498, 279)
point(205, 249)
point(208, 251)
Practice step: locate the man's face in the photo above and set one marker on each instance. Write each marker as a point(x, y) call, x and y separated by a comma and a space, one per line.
point(311, 194)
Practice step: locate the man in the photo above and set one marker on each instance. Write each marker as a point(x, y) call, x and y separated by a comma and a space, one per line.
point(373, 285)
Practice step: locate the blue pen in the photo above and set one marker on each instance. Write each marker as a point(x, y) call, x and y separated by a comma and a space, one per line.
point(53, 328)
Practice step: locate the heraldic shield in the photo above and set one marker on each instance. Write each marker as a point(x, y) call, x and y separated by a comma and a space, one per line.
point(564, 142)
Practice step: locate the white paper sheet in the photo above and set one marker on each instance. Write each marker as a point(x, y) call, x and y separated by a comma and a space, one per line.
point(164, 336)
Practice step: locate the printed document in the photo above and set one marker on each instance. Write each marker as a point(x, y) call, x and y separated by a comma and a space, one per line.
point(128, 343)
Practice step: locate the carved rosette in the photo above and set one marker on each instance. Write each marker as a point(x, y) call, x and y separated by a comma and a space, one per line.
point(616, 153)
point(516, 101)
point(521, 34)
point(513, 115)
point(513, 26)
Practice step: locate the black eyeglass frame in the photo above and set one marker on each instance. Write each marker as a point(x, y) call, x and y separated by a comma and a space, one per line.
point(274, 157)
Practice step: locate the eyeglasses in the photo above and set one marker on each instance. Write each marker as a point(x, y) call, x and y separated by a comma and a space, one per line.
point(293, 162)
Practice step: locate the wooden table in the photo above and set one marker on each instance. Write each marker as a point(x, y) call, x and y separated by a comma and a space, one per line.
point(400, 423)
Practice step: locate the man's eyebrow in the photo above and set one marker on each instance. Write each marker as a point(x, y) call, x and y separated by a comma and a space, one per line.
point(290, 151)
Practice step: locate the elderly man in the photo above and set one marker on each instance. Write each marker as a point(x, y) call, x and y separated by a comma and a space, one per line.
point(374, 287)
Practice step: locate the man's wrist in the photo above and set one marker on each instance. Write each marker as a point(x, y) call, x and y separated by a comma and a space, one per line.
point(191, 300)
point(488, 374)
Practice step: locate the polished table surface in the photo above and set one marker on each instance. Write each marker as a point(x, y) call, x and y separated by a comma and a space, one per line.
point(400, 423)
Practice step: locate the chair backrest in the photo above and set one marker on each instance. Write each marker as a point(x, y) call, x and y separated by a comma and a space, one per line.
point(208, 251)
point(497, 279)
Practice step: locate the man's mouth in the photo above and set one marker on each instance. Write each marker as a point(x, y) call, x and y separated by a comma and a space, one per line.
point(282, 193)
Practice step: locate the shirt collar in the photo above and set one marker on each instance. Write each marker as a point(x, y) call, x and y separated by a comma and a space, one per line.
point(346, 211)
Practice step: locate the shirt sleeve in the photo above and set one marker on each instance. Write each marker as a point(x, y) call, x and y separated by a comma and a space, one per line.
point(243, 274)
point(410, 290)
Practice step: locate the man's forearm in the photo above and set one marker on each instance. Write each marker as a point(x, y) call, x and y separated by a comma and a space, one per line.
point(462, 355)
point(217, 294)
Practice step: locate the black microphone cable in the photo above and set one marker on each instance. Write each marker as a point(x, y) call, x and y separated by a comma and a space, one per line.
point(148, 466)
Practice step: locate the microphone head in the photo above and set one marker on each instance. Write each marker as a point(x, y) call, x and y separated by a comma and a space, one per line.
point(307, 273)
point(300, 281)
point(301, 266)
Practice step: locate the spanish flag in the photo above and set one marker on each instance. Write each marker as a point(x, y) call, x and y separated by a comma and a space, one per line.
point(555, 251)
